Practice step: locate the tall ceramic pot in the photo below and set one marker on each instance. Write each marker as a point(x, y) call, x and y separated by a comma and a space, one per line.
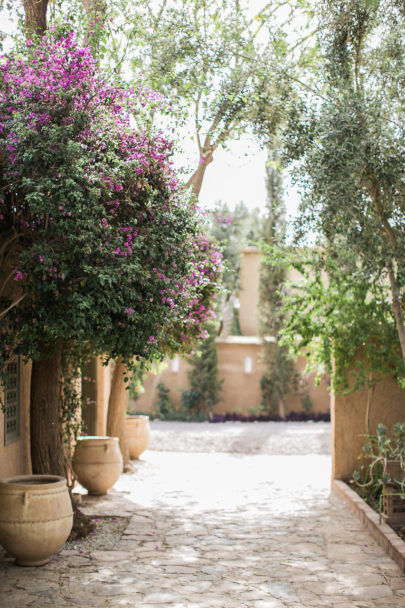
point(138, 434)
point(98, 463)
point(35, 517)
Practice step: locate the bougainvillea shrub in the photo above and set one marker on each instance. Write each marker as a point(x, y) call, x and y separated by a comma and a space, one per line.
point(100, 244)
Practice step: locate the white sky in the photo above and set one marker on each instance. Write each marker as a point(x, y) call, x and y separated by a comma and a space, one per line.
point(238, 174)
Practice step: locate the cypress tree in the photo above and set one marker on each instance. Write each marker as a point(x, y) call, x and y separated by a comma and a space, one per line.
point(280, 377)
point(205, 384)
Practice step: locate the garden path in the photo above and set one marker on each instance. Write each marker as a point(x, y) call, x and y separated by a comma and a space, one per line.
point(218, 516)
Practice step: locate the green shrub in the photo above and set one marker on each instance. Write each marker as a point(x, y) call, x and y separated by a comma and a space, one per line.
point(163, 402)
point(371, 477)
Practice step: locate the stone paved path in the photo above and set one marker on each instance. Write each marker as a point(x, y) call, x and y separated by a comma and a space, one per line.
point(220, 530)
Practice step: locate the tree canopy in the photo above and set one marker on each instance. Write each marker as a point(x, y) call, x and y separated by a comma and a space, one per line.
point(346, 144)
point(97, 234)
point(280, 376)
point(228, 68)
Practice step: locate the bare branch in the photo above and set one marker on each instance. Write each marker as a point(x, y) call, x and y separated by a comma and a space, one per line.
point(304, 39)
point(396, 306)
point(388, 229)
point(15, 303)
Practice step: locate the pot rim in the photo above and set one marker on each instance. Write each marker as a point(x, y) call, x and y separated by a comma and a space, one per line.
point(134, 416)
point(34, 482)
point(94, 437)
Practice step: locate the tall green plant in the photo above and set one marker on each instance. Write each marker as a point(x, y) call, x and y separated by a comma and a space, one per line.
point(280, 377)
point(372, 477)
point(204, 380)
point(335, 309)
point(348, 147)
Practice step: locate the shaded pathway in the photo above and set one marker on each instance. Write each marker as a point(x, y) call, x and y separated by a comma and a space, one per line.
point(223, 530)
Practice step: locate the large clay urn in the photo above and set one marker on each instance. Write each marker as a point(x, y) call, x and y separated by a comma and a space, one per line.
point(35, 517)
point(98, 463)
point(138, 434)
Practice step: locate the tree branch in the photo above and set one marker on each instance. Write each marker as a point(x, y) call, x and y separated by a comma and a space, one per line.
point(6, 244)
point(4, 312)
point(396, 306)
point(388, 229)
point(297, 44)
point(5, 281)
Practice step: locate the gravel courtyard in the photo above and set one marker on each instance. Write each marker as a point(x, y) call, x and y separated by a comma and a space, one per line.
point(294, 438)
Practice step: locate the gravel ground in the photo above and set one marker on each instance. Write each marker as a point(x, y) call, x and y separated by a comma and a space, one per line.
point(106, 536)
point(284, 438)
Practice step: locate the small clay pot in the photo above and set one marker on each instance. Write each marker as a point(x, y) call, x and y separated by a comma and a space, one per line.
point(36, 517)
point(97, 463)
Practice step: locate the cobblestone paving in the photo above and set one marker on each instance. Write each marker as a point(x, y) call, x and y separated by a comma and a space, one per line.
point(220, 530)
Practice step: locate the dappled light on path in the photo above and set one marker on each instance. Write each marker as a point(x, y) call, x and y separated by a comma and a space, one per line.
point(217, 529)
point(224, 481)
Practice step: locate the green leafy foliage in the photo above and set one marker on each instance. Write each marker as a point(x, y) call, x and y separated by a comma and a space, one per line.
point(346, 143)
point(188, 410)
point(379, 448)
point(213, 54)
point(101, 248)
point(333, 311)
point(163, 402)
point(203, 377)
point(225, 67)
point(280, 377)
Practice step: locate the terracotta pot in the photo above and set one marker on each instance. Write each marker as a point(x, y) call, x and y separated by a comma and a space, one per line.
point(35, 517)
point(98, 463)
point(393, 469)
point(138, 434)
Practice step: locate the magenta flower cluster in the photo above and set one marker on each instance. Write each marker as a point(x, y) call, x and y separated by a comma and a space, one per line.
point(111, 247)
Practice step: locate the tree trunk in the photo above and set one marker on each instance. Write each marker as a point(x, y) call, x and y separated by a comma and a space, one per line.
point(117, 409)
point(47, 453)
point(281, 409)
point(396, 306)
point(196, 180)
point(35, 16)
point(397, 255)
point(94, 8)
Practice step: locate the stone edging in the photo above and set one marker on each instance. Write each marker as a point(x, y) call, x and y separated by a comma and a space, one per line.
point(382, 532)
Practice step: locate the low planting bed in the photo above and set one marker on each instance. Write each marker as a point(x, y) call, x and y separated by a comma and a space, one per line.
point(386, 536)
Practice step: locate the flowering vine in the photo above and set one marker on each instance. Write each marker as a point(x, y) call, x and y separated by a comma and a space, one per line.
point(101, 246)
